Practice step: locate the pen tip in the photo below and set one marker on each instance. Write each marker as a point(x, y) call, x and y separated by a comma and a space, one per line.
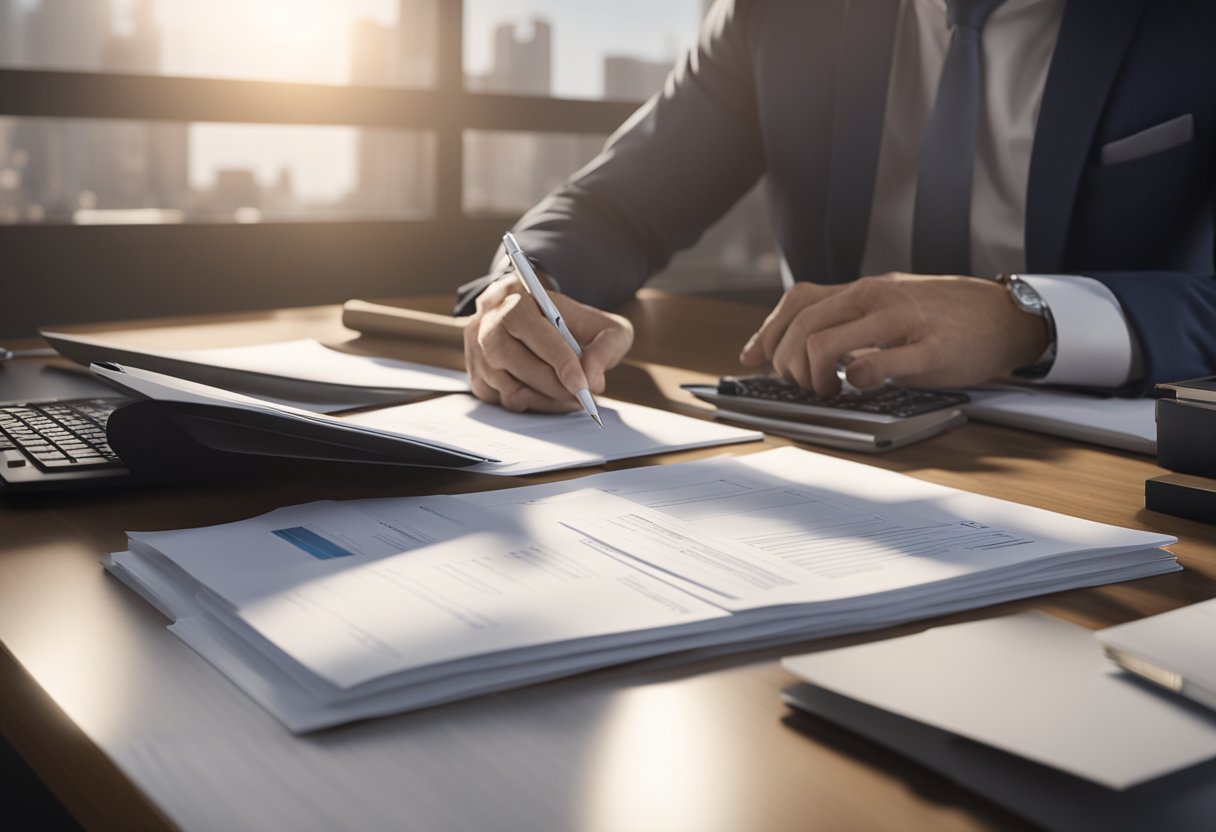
point(598, 420)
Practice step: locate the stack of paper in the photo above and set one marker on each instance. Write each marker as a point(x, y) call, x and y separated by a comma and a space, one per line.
point(330, 612)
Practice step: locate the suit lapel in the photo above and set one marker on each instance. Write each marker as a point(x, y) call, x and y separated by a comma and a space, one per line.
point(1094, 36)
point(866, 43)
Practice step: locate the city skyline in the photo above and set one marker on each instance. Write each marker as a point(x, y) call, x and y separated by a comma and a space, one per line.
point(312, 164)
point(294, 40)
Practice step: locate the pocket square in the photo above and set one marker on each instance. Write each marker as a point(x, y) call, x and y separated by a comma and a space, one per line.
point(1155, 139)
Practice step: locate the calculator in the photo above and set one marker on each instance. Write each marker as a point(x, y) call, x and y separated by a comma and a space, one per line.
point(765, 396)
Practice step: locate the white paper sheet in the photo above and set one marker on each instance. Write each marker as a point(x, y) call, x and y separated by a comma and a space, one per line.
point(485, 593)
point(370, 606)
point(251, 558)
point(1175, 648)
point(528, 443)
point(1029, 684)
point(304, 359)
point(307, 359)
point(817, 528)
point(1128, 424)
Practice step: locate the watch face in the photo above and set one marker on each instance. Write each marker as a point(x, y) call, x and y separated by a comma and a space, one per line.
point(1026, 296)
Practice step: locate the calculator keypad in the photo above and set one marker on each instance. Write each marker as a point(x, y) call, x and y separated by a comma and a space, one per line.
point(899, 402)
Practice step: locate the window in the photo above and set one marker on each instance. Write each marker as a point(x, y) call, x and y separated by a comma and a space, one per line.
point(266, 152)
point(382, 42)
point(103, 172)
point(509, 172)
point(617, 51)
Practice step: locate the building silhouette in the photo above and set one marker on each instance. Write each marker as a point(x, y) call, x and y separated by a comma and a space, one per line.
point(236, 190)
point(395, 168)
point(10, 36)
point(417, 34)
point(633, 79)
point(507, 172)
point(70, 164)
point(64, 34)
point(140, 165)
point(523, 59)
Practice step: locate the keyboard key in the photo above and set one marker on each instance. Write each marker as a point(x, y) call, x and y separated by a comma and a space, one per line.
point(57, 437)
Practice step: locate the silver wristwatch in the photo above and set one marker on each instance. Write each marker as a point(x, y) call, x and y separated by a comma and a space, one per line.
point(1027, 299)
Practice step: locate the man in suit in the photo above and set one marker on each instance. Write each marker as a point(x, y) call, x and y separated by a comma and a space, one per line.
point(913, 151)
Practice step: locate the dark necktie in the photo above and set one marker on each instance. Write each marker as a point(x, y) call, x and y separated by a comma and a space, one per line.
point(941, 224)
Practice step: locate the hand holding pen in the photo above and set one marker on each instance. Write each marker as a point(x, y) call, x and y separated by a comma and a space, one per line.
point(517, 357)
point(523, 269)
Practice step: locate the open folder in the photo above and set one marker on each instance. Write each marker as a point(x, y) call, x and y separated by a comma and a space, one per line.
point(450, 431)
point(335, 611)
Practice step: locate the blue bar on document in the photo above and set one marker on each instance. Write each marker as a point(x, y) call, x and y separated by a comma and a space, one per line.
point(312, 543)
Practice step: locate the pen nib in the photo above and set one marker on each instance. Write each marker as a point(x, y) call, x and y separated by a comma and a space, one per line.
point(598, 420)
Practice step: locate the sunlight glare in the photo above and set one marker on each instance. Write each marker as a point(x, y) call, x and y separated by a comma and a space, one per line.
point(290, 40)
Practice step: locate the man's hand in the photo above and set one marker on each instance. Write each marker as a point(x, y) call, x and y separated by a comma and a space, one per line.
point(932, 331)
point(516, 358)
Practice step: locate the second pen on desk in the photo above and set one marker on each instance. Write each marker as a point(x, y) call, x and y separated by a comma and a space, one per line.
point(523, 267)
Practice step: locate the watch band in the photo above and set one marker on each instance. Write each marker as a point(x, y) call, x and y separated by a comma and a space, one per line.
point(1026, 298)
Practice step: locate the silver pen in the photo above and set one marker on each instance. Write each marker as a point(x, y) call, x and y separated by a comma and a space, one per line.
point(523, 268)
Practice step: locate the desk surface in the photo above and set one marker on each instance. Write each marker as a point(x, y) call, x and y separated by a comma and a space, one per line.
point(130, 728)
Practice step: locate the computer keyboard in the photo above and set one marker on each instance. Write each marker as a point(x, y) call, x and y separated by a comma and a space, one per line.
point(58, 436)
point(898, 402)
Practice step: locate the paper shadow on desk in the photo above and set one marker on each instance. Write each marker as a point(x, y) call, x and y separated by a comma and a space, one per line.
point(162, 441)
point(1184, 800)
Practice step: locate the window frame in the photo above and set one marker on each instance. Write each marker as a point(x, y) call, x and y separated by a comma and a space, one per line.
point(139, 271)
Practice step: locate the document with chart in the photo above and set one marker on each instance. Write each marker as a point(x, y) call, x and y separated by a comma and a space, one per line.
point(334, 611)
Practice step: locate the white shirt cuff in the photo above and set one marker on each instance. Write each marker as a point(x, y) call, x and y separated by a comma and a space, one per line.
point(1094, 345)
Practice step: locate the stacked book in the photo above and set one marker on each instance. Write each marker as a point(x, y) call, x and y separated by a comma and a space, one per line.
point(334, 611)
point(1186, 445)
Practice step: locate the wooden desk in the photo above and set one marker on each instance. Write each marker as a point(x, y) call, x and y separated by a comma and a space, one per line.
point(130, 728)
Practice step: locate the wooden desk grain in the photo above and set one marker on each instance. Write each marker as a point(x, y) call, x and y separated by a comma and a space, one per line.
point(132, 730)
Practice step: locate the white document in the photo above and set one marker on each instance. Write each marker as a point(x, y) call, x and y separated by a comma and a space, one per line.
point(302, 371)
point(253, 558)
point(355, 597)
point(338, 610)
point(1128, 424)
point(307, 359)
point(817, 528)
point(1175, 649)
point(485, 594)
point(1029, 684)
point(528, 443)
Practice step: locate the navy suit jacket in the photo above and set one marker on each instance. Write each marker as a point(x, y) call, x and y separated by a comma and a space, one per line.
point(794, 90)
